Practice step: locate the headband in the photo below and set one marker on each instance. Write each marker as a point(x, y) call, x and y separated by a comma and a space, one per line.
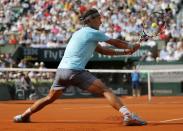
point(91, 16)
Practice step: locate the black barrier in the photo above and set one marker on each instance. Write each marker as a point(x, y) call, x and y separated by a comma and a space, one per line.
point(56, 54)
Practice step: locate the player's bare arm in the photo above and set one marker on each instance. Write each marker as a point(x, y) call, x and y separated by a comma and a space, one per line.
point(119, 43)
point(109, 51)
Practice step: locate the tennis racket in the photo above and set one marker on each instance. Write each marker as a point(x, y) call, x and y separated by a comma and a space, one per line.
point(155, 24)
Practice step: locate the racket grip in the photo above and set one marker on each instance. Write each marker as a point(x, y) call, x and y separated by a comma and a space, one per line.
point(143, 37)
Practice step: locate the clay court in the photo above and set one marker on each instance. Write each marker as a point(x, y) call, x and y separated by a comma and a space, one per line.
point(94, 114)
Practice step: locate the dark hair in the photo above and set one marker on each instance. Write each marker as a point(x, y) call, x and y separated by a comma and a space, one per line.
point(91, 13)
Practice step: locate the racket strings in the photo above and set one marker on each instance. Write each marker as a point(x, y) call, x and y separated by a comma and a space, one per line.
point(154, 24)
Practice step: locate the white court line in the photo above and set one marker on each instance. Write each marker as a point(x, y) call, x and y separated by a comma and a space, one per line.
point(166, 121)
point(171, 120)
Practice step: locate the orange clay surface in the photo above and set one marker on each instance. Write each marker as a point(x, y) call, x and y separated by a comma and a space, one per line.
point(95, 114)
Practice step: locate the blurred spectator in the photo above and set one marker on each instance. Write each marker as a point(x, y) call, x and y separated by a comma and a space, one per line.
point(13, 39)
point(22, 63)
point(24, 83)
point(3, 39)
point(34, 74)
point(135, 79)
point(42, 65)
point(8, 60)
point(171, 45)
point(178, 54)
point(149, 57)
point(163, 53)
point(43, 75)
point(2, 64)
point(170, 56)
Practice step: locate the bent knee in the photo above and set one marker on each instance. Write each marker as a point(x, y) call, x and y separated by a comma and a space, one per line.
point(107, 90)
point(53, 95)
point(99, 88)
point(100, 91)
point(49, 99)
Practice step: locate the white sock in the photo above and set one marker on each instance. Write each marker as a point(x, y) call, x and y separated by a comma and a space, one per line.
point(124, 110)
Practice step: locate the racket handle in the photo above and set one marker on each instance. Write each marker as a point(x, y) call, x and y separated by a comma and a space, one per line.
point(143, 37)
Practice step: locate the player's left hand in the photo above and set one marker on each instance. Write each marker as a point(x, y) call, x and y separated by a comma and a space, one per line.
point(135, 48)
point(130, 51)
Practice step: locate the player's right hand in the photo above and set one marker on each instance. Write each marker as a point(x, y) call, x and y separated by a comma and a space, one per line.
point(135, 48)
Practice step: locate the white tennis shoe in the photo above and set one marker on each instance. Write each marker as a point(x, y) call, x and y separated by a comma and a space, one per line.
point(133, 120)
point(20, 119)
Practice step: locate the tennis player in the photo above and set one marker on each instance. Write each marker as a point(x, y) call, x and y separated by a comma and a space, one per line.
point(71, 70)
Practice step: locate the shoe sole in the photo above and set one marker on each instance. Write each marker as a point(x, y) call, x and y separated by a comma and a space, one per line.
point(21, 121)
point(135, 123)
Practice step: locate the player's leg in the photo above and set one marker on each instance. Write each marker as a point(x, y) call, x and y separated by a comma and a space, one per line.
point(38, 105)
point(54, 93)
point(86, 81)
point(98, 87)
point(62, 80)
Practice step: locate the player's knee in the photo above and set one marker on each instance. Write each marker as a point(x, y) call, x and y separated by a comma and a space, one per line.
point(104, 90)
point(50, 99)
point(107, 90)
point(52, 96)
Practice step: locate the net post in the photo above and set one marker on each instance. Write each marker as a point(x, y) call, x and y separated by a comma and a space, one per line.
point(149, 86)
